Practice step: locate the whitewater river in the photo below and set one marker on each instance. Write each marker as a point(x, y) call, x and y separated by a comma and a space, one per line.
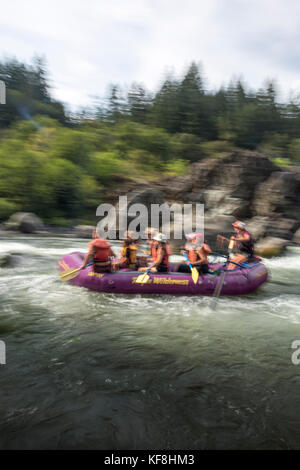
point(86, 370)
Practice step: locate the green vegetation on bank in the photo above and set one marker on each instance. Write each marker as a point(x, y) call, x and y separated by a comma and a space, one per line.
point(62, 166)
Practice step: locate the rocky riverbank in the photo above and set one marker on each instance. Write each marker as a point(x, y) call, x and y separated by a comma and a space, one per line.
point(242, 185)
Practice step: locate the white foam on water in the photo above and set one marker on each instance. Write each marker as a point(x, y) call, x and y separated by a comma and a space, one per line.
point(289, 261)
point(47, 252)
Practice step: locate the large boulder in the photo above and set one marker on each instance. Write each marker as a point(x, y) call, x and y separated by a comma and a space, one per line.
point(238, 173)
point(146, 196)
point(282, 228)
point(279, 196)
point(84, 231)
point(296, 238)
point(218, 202)
point(214, 198)
point(278, 227)
point(270, 246)
point(226, 185)
point(25, 222)
point(176, 187)
point(257, 226)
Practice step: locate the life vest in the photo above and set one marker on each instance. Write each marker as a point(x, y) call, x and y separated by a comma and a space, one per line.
point(169, 250)
point(153, 245)
point(129, 252)
point(165, 259)
point(193, 256)
point(247, 246)
point(101, 250)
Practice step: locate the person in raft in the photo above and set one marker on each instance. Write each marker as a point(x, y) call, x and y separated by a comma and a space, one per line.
point(100, 251)
point(128, 258)
point(197, 250)
point(242, 241)
point(152, 244)
point(160, 255)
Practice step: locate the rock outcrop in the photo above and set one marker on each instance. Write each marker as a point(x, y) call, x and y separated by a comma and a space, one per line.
point(270, 246)
point(242, 185)
point(296, 238)
point(83, 231)
point(25, 222)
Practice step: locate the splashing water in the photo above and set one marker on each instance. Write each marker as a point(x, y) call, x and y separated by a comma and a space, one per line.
point(105, 371)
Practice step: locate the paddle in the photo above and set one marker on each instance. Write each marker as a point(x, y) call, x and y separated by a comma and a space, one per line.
point(218, 289)
point(221, 280)
point(143, 278)
point(69, 274)
point(219, 285)
point(244, 265)
point(194, 271)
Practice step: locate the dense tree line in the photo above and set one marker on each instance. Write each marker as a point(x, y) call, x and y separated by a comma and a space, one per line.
point(62, 165)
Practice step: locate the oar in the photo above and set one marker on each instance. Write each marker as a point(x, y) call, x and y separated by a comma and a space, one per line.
point(218, 289)
point(194, 271)
point(219, 286)
point(244, 265)
point(221, 280)
point(69, 274)
point(143, 278)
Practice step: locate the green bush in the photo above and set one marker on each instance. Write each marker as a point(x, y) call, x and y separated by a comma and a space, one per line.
point(187, 146)
point(7, 208)
point(216, 148)
point(177, 167)
point(105, 165)
point(294, 150)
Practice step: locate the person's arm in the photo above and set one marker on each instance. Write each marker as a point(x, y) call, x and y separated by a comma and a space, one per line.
point(123, 259)
point(206, 248)
point(221, 240)
point(112, 254)
point(242, 238)
point(87, 258)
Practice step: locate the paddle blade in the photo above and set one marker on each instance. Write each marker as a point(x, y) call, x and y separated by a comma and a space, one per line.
point(195, 275)
point(69, 274)
point(218, 290)
point(142, 278)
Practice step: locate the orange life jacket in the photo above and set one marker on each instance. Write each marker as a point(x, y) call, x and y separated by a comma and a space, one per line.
point(165, 260)
point(101, 250)
point(193, 256)
point(153, 249)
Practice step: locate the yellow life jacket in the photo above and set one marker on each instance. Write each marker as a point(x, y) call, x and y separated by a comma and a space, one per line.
point(129, 252)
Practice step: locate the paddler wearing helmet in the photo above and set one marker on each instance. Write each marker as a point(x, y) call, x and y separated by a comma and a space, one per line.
point(242, 241)
point(160, 255)
point(100, 251)
point(153, 244)
point(197, 250)
point(128, 258)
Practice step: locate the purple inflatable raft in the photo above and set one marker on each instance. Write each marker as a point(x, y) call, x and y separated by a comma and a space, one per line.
point(237, 282)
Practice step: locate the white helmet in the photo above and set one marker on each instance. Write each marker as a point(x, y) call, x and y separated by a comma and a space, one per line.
point(160, 237)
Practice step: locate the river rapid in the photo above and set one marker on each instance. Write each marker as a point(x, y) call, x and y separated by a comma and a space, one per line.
point(86, 370)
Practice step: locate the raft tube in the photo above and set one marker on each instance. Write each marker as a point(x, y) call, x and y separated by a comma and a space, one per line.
point(237, 282)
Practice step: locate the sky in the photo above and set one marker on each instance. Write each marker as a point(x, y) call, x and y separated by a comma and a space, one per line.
point(93, 43)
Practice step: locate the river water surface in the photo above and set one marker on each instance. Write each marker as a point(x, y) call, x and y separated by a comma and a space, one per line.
point(86, 370)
